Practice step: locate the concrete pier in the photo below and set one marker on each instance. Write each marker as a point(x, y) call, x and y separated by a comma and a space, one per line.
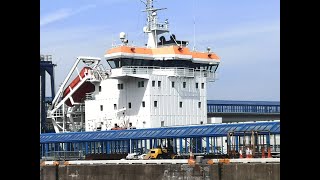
point(232, 171)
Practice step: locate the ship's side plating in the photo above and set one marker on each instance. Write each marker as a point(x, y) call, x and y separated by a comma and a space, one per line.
point(153, 100)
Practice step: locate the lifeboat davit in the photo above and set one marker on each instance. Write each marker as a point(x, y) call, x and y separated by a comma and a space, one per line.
point(80, 94)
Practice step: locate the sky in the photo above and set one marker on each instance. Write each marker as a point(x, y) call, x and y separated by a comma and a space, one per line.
point(244, 34)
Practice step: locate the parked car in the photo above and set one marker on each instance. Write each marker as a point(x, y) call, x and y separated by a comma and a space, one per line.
point(132, 156)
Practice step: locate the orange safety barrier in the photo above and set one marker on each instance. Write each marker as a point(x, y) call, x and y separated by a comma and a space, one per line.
point(269, 153)
point(262, 151)
point(226, 161)
point(210, 162)
point(191, 160)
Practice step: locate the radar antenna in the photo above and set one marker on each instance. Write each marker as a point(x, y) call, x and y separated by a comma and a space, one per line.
point(153, 28)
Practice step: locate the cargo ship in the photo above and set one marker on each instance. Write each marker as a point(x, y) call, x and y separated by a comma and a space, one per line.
point(160, 84)
point(152, 105)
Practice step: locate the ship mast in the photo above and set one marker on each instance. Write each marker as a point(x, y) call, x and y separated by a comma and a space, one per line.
point(153, 28)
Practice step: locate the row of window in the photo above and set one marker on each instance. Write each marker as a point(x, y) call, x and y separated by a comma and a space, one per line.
point(184, 84)
point(155, 104)
point(141, 84)
point(244, 108)
point(118, 63)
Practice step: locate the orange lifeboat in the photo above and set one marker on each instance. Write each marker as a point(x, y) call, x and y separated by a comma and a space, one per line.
point(80, 94)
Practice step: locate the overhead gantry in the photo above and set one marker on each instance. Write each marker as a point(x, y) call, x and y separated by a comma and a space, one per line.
point(46, 65)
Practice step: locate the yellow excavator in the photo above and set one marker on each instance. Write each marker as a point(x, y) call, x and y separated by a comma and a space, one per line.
point(161, 153)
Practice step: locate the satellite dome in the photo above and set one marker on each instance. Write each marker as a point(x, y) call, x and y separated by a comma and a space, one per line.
point(122, 35)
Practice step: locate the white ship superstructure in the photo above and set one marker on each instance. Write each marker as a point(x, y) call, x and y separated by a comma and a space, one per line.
point(161, 84)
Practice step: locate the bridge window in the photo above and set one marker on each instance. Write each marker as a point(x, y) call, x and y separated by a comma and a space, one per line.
point(180, 104)
point(202, 85)
point(199, 104)
point(159, 83)
point(143, 104)
point(101, 107)
point(197, 85)
point(184, 84)
point(213, 68)
point(172, 84)
point(155, 103)
point(99, 88)
point(111, 64)
point(114, 63)
point(121, 62)
point(153, 83)
point(114, 106)
point(129, 105)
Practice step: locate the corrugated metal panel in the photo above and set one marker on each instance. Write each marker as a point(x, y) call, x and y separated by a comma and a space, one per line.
point(157, 133)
